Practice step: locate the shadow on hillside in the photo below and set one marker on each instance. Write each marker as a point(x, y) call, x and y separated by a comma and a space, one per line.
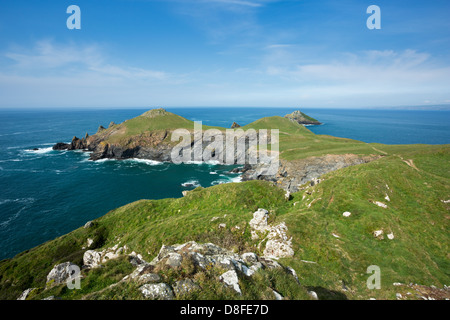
point(325, 294)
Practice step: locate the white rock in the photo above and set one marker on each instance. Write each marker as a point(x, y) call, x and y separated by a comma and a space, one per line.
point(396, 284)
point(378, 233)
point(92, 258)
point(60, 273)
point(398, 295)
point(25, 294)
point(277, 295)
point(313, 295)
point(214, 219)
point(390, 236)
point(294, 274)
point(231, 279)
point(259, 221)
point(278, 249)
point(287, 196)
point(346, 214)
point(222, 226)
point(387, 198)
point(89, 242)
point(380, 204)
point(160, 291)
point(250, 257)
point(174, 259)
point(335, 235)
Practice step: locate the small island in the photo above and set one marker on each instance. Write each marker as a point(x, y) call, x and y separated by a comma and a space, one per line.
point(301, 118)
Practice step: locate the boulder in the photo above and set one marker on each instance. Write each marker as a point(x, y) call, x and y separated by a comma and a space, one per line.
point(278, 244)
point(158, 291)
point(259, 221)
point(149, 278)
point(88, 224)
point(278, 249)
point(60, 273)
point(185, 286)
point(235, 125)
point(250, 257)
point(25, 293)
point(313, 295)
point(174, 260)
point(230, 278)
point(93, 259)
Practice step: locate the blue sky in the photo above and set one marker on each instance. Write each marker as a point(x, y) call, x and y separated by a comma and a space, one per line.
point(292, 53)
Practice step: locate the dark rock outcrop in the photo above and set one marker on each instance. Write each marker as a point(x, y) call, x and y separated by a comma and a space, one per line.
point(235, 125)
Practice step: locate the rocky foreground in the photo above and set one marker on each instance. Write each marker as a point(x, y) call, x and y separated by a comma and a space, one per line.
point(192, 258)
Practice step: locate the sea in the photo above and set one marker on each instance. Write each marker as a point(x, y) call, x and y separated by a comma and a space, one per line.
point(45, 194)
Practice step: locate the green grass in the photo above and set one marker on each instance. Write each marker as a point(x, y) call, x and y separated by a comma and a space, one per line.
point(415, 177)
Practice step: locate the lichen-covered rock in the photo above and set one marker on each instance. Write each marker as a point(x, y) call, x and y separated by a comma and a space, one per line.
point(94, 259)
point(60, 273)
point(278, 244)
point(259, 221)
point(174, 260)
point(158, 291)
point(149, 278)
point(185, 286)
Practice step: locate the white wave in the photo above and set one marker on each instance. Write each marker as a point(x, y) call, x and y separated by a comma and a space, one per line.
point(212, 162)
point(236, 179)
point(20, 200)
point(145, 161)
point(194, 162)
point(191, 183)
point(40, 151)
point(104, 160)
point(220, 181)
point(213, 172)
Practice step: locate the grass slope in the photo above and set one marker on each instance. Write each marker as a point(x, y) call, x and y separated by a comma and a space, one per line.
point(332, 252)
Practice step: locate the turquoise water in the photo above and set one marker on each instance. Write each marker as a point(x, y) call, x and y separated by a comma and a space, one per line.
point(47, 193)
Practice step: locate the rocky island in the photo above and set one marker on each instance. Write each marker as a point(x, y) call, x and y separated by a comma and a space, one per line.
point(302, 118)
point(334, 208)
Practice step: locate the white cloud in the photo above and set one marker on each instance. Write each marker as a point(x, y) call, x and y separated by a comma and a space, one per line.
point(47, 58)
point(70, 75)
point(371, 71)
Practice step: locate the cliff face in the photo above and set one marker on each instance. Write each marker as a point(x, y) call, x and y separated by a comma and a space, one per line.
point(149, 136)
point(141, 137)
